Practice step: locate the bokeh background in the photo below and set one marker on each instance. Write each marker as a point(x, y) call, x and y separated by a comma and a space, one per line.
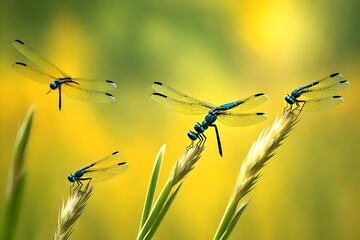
point(218, 51)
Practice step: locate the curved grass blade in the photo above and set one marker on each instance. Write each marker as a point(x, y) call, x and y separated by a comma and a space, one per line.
point(154, 213)
point(152, 185)
point(163, 212)
point(234, 221)
point(16, 179)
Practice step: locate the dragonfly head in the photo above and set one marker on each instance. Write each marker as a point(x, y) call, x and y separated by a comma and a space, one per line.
point(290, 99)
point(193, 136)
point(71, 178)
point(54, 85)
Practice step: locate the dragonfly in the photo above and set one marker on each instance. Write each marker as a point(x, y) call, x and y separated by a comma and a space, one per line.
point(84, 89)
point(318, 93)
point(96, 173)
point(229, 114)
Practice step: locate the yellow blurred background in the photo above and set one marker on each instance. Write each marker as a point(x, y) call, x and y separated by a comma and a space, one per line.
point(213, 50)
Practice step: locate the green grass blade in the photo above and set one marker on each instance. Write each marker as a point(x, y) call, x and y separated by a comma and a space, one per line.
point(152, 185)
point(162, 214)
point(225, 221)
point(234, 221)
point(16, 179)
point(154, 213)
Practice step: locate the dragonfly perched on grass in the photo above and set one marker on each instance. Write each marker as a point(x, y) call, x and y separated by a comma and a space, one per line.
point(318, 93)
point(84, 89)
point(230, 114)
point(97, 172)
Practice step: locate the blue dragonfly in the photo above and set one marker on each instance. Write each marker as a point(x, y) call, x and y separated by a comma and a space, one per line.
point(318, 93)
point(96, 173)
point(229, 114)
point(84, 89)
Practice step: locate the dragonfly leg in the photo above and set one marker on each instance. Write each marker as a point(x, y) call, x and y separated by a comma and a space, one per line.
point(286, 108)
point(72, 187)
point(304, 102)
point(59, 97)
point(77, 188)
point(217, 138)
point(202, 139)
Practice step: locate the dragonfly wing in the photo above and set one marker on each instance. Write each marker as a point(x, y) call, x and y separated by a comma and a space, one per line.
point(180, 106)
point(326, 90)
point(107, 159)
point(172, 93)
point(102, 174)
point(75, 90)
point(38, 60)
point(331, 79)
point(249, 102)
point(322, 103)
point(241, 119)
point(99, 85)
point(32, 73)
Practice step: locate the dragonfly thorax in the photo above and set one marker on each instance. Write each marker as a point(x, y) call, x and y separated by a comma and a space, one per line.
point(199, 128)
point(296, 93)
point(71, 178)
point(209, 119)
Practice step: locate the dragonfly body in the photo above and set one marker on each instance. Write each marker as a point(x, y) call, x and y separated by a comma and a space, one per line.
point(95, 172)
point(319, 93)
point(84, 89)
point(225, 113)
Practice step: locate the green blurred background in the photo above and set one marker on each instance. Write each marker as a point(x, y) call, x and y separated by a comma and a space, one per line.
point(218, 51)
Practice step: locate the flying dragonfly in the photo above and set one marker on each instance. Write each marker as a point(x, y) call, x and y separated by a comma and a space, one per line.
point(94, 172)
point(84, 89)
point(229, 114)
point(318, 93)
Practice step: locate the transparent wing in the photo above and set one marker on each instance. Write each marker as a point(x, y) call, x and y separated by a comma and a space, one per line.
point(75, 91)
point(106, 159)
point(241, 119)
point(246, 103)
point(32, 73)
point(172, 93)
point(99, 85)
point(191, 108)
point(101, 174)
point(326, 90)
point(328, 80)
point(322, 103)
point(38, 60)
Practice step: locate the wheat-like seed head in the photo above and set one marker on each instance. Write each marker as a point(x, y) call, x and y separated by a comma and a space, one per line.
point(70, 212)
point(186, 162)
point(261, 151)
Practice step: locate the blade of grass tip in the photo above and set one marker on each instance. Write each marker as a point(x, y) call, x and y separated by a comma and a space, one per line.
point(162, 214)
point(154, 213)
point(16, 179)
point(152, 185)
point(234, 221)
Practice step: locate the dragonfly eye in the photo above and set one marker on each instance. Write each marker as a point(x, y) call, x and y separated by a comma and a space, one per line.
point(289, 99)
point(193, 136)
point(54, 85)
point(71, 178)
